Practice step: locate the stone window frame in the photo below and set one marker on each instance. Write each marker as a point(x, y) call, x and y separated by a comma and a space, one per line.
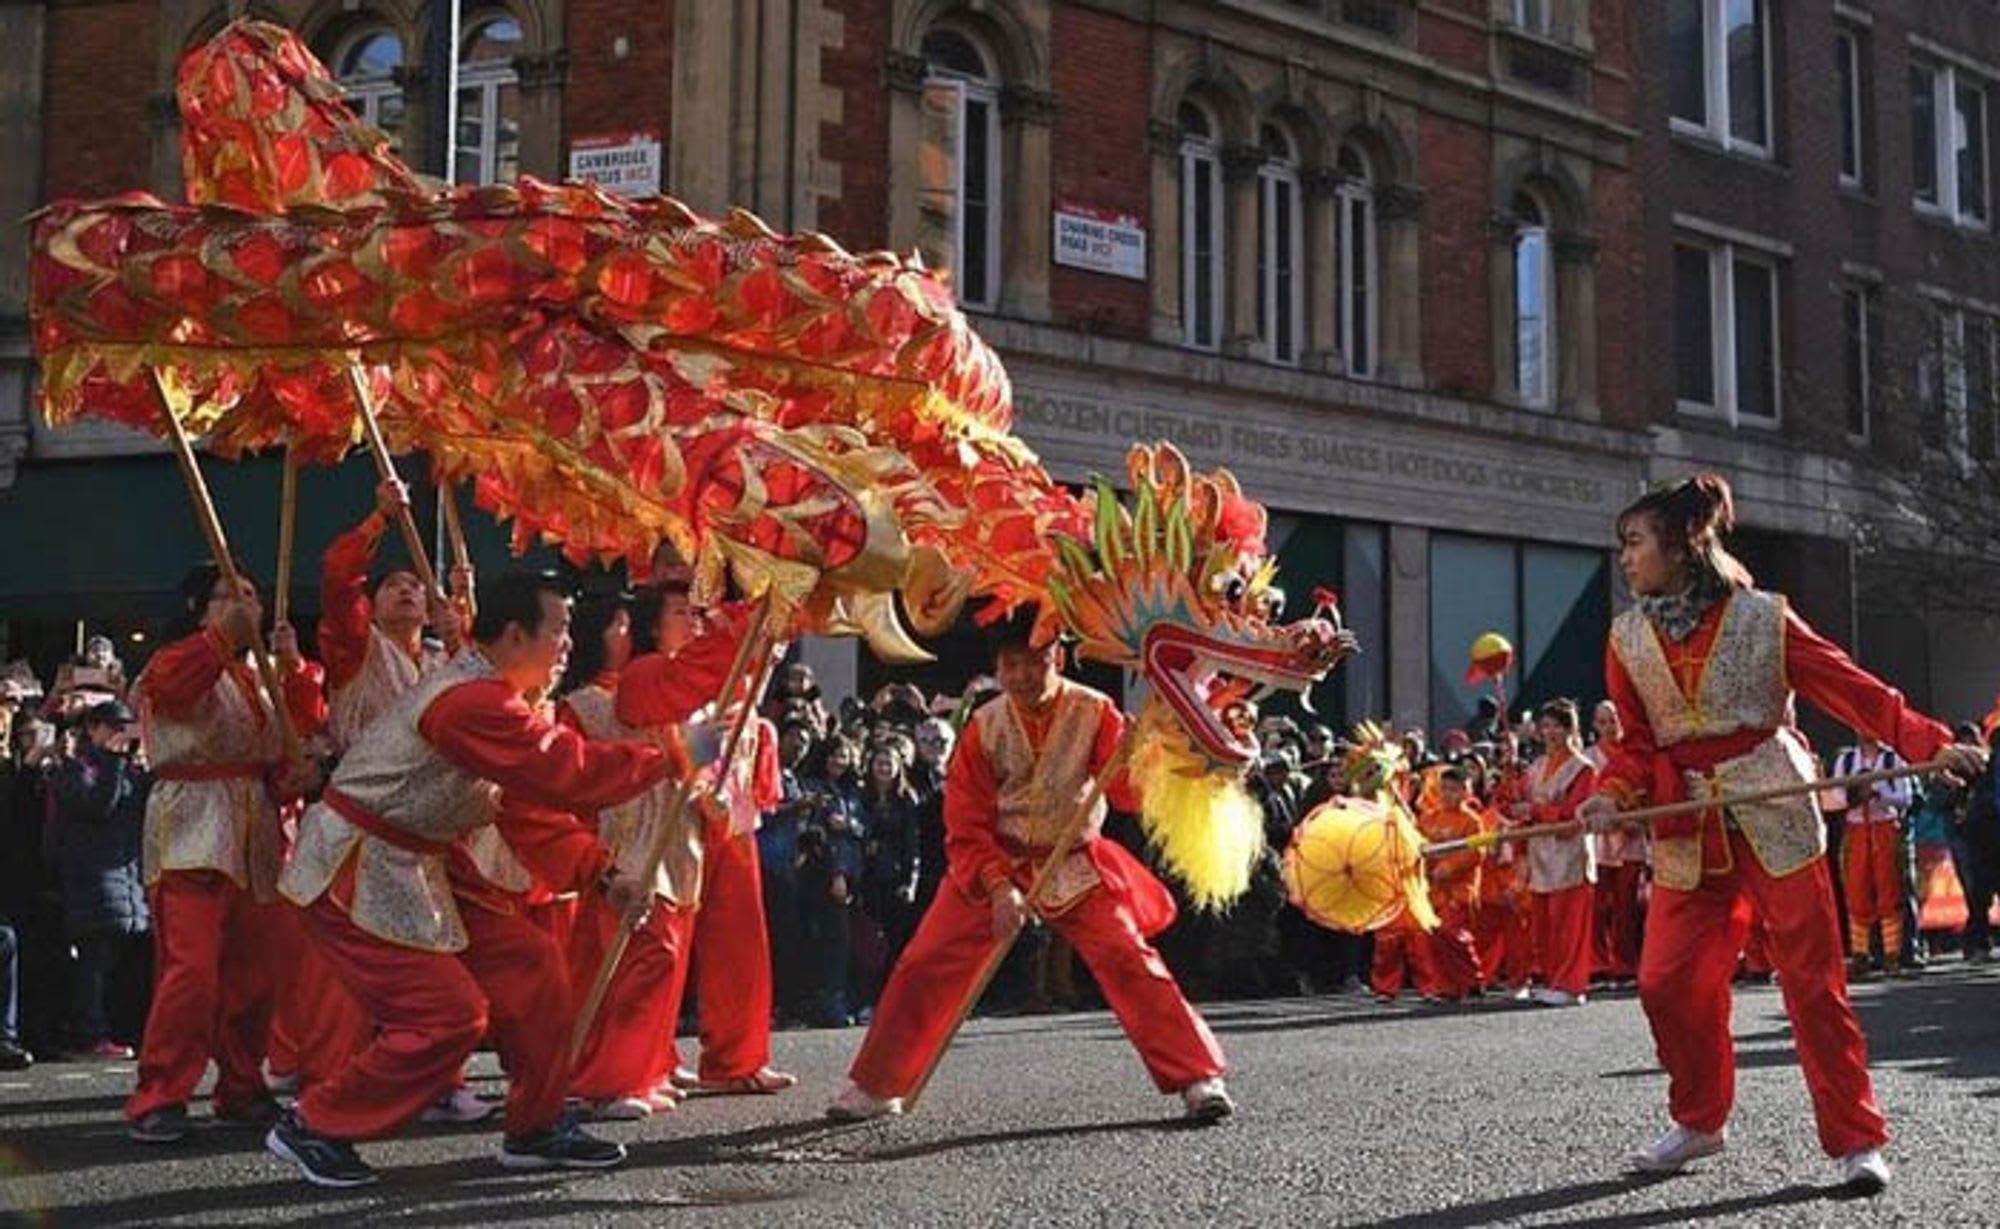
point(1354, 194)
point(984, 90)
point(1015, 35)
point(1276, 177)
point(1196, 150)
point(368, 94)
point(1534, 240)
point(1554, 182)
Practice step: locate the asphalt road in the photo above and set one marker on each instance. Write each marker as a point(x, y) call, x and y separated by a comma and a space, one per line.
point(1352, 1114)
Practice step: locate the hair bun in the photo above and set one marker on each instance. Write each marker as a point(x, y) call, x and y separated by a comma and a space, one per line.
point(1717, 500)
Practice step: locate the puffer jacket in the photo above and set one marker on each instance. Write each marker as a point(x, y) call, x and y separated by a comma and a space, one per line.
point(100, 821)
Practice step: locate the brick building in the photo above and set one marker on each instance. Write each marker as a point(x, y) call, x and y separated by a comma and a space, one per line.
point(1388, 259)
point(1819, 236)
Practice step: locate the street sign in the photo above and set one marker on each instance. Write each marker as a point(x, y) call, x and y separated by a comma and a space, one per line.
point(627, 163)
point(1100, 241)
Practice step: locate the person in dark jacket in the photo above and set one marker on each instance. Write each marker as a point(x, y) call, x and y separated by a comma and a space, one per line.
point(100, 815)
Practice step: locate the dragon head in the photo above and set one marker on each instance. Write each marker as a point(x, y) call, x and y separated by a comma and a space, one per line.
point(1177, 584)
point(1375, 764)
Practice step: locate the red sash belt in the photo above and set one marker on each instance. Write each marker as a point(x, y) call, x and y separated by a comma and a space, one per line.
point(381, 829)
point(241, 770)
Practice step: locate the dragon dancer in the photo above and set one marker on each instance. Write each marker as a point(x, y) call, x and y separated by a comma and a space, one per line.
point(1027, 760)
point(1703, 671)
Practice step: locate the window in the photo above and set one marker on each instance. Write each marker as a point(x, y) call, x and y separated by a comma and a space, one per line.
point(1280, 288)
point(1861, 326)
point(1851, 72)
point(961, 166)
point(1719, 71)
point(1201, 229)
point(365, 65)
point(1948, 143)
point(1534, 16)
point(488, 148)
point(1726, 334)
point(1354, 220)
point(1956, 383)
point(1534, 305)
point(1553, 602)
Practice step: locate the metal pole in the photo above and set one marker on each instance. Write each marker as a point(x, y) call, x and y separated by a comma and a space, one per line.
point(441, 69)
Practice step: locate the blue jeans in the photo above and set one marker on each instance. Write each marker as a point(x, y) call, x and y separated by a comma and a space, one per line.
point(10, 984)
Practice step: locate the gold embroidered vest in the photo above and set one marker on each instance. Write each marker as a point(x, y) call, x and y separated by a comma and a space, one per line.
point(1558, 862)
point(400, 895)
point(228, 825)
point(386, 673)
point(1040, 793)
point(1742, 687)
point(627, 830)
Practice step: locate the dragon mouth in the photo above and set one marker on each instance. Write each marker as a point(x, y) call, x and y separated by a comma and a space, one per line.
point(1202, 677)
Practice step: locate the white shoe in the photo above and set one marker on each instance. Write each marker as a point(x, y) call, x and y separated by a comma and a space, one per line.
point(1548, 996)
point(1864, 1172)
point(459, 1106)
point(685, 1078)
point(1208, 1100)
point(1676, 1148)
point(618, 1109)
point(857, 1105)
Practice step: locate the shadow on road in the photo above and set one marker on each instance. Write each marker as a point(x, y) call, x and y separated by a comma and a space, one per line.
point(1563, 1198)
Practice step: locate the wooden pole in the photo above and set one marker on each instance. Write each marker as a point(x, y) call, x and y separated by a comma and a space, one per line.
point(1487, 840)
point(385, 470)
point(1072, 833)
point(225, 563)
point(288, 528)
point(755, 643)
point(454, 532)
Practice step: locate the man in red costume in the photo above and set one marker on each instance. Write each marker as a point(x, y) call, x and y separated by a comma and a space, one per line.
point(1621, 867)
point(370, 870)
point(1026, 763)
point(1560, 871)
point(1703, 671)
point(706, 890)
point(371, 639)
point(212, 847)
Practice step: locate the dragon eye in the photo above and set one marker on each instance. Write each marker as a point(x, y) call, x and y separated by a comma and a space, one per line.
point(1273, 602)
point(1234, 588)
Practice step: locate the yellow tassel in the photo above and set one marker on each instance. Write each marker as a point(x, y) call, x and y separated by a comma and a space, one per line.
point(1207, 829)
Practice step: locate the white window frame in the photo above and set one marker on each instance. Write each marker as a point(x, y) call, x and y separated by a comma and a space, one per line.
point(1354, 197)
point(1277, 178)
point(488, 78)
point(1715, 79)
point(1866, 295)
point(1847, 52)
point(1722, 261)
point(1535, 17)
point(1946, 135)
point(985, 93)
point(1205, 150)
point(1539, 232)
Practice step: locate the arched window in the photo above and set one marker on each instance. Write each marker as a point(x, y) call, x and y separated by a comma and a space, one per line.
point(1201, 228)
point(1355, 290)
point(1534, 304)
point(1280, 288)
point(960, 165)
point(488, 145)
point(365, 64)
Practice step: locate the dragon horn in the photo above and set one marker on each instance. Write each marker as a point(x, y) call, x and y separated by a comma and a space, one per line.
point(874, 616)
point(1146, 527)
point(1109, 528)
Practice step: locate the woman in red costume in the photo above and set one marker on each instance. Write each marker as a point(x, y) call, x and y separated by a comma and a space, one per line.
point(1703, 671)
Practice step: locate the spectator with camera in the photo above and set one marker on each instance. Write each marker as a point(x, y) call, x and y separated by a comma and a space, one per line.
point(100, 816)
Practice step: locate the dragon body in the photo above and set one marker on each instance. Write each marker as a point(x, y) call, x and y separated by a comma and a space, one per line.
point(611, 374)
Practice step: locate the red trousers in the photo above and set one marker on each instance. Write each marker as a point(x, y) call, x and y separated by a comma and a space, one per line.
point(318, 1027)
point(1871, 876)
point(1692, 939)
point(1453, 952)
point(731, 961)
point(430, 1009)
point(557, 918)
point(1618, 918)
point(1491, 920)
point(1562, 936)
point(630, 1050)
point(942, 961)
point(204, 925)
point(1402, 956)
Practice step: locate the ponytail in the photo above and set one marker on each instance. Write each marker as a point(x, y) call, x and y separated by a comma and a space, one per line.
point(1692, 516)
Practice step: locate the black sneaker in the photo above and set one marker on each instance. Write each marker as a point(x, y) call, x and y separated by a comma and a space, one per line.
point(14, 1058)
point(566, 1145)
point(162, 1126)
point(323, 1161)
